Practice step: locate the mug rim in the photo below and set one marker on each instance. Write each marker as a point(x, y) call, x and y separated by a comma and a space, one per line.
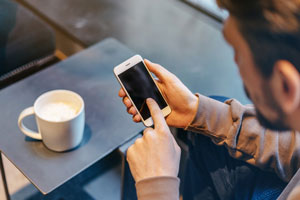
point(55, 91)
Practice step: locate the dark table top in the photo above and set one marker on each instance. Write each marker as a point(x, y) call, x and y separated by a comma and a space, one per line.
point(168, 32)
point(108, 125)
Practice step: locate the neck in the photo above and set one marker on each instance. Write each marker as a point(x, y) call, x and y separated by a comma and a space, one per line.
point(294, 120)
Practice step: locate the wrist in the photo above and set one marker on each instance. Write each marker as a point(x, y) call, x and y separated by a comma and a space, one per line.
point(193, 107)
point(158, 188)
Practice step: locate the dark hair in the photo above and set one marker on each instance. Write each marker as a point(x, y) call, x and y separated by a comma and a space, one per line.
point(271, 29)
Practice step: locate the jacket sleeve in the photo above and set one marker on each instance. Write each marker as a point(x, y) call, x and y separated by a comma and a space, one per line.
point(235, 126)
point(158, 188)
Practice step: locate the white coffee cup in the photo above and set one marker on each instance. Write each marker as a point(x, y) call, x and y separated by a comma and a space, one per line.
point(60, 119)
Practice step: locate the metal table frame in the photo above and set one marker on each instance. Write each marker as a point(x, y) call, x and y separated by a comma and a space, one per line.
point(5, 186)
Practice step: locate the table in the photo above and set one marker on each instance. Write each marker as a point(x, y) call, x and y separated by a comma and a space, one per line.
point(210, 7)
point(89, 73)
point(168, 32)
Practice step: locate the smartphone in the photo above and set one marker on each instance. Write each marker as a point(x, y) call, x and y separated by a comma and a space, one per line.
point(139, 84)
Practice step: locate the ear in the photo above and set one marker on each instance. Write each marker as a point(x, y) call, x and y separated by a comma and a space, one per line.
point(286, 85)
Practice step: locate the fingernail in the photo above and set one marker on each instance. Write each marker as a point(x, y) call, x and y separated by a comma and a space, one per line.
point(149, 100)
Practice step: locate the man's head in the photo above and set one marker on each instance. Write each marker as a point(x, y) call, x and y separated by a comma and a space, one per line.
point(265, 36)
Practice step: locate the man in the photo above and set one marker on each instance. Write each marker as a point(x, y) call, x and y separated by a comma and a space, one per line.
point(265, 36)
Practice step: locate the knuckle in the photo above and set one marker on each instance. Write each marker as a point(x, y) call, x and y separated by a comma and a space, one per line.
point(135, 118)
point(172, 76)
point(155, 106)
point(167, 130)
point(164, 129)
point(148, 135)
point(147, 130)
point(124, 100)
point(128, 158)
point(129, 110)
point(129, 151)
point(120, 93)
point(138, 141)
point(132, 110)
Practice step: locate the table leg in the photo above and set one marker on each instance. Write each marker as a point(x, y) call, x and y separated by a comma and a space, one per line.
point(127, 184)
point(4, 178)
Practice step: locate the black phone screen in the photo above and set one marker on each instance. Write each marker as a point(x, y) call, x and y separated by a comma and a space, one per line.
point(140, 86)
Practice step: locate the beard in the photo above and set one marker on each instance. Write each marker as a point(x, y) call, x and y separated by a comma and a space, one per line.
point(279, 123)
point(276, 125)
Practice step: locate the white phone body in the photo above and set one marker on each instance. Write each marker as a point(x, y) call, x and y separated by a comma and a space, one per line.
point(128, 64)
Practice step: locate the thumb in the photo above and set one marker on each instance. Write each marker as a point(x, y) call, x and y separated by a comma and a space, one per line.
point(159, 71)
point(156, 114)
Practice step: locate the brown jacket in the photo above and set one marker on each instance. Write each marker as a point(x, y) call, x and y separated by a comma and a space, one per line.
point(235, 125)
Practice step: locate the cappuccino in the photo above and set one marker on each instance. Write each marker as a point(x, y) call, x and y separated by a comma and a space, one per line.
point(60, 119)
point(58, 111)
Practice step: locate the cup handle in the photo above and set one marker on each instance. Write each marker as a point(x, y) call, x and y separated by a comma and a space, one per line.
point(26, 112)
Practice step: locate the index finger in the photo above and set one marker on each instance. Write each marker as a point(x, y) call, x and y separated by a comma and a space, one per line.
point(156, 114)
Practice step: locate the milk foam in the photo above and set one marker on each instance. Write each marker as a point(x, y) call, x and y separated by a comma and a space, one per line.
point(58, 111)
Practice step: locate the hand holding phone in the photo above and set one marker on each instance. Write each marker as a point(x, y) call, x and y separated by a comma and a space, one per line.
point(181, 100)
point(138, 84)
